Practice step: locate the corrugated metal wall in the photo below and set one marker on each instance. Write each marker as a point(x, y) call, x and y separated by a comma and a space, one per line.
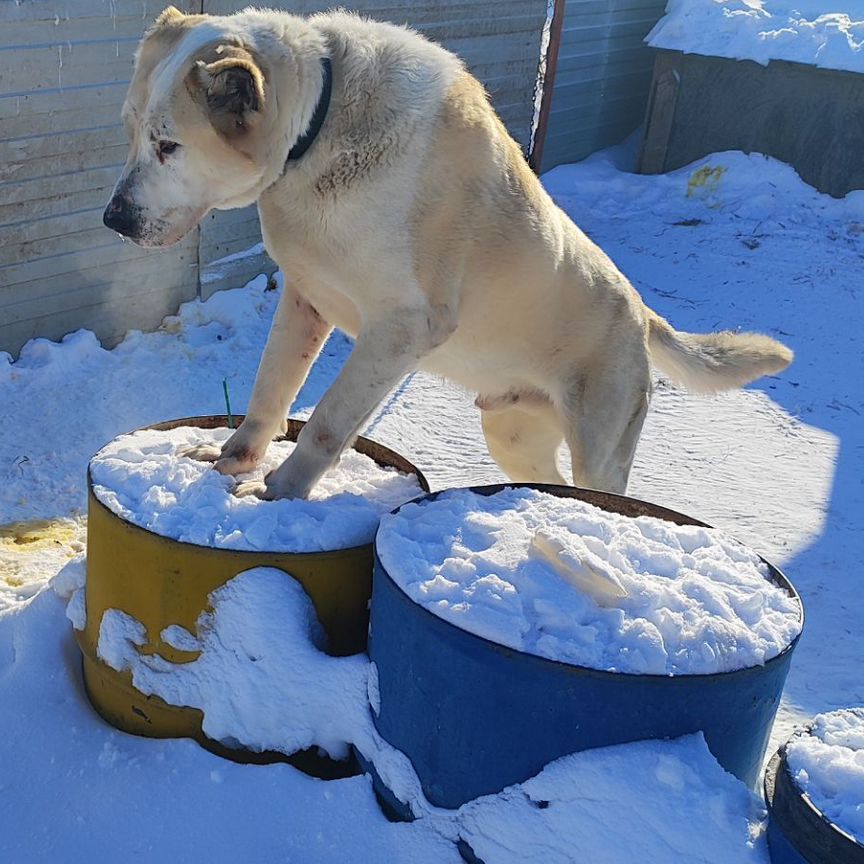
point(603, 76)
point(64, 69)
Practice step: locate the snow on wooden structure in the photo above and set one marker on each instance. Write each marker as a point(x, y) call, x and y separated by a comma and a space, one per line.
point(785, 79)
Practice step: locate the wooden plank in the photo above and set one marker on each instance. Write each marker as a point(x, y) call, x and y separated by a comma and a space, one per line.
point(103, 10)
point(62, 143)
point(79, 28)
point(70, 233)
point(141, 307)
point(660, 113)
point(71, 98)
point(75, 310)
point(83, 263)
point(61, 233)
point(48, 103)
point(37, 74)
point(111, 252)
point(67, 292)
point(224, 232)
point(26, 124)
point(58, 204)
point(20, 191)
point(63, 163)
point(375, 8)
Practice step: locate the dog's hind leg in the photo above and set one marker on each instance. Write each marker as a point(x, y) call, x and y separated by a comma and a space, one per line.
point(524, 440)
point(604, 413)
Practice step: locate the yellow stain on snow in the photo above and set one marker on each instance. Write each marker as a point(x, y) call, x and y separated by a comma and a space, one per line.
point(705, 180)
point(20, 541)
point(37, 534)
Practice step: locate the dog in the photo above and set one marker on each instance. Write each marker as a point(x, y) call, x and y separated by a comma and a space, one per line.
point(401, 211)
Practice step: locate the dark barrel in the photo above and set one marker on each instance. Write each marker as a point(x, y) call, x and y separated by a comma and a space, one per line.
point(799, 833)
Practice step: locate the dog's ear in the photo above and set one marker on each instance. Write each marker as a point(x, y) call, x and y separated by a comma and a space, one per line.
point(168, 17)
point(232, 89)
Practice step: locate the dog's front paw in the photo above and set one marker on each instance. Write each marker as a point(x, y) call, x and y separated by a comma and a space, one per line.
point(238, 455)
point(201, 452)
point(274, 486)
point(241, 462)
point(252, 489)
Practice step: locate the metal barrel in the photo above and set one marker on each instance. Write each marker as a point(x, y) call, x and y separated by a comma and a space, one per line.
point(798, 832)
point(160, 581)
point(474, 716)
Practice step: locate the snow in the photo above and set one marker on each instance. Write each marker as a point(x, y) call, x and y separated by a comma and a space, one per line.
point(827, 762)
point(800, 31)
point(581, 808)
point(601, 590)
point(258, 654)
point(731, 241)
point(142, 478)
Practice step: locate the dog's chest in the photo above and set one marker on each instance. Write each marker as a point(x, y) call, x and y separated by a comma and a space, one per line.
point(318, 256)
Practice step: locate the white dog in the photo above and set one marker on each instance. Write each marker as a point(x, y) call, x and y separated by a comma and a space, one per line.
point(402, 212)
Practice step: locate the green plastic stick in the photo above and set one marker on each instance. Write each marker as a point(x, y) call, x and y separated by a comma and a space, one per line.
point(227, 403)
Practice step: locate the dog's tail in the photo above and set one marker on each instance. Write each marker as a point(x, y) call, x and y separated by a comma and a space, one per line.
point(706, 363)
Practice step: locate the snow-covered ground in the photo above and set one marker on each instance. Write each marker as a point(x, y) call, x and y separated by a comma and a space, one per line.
point(815, 32)
point(732, 241)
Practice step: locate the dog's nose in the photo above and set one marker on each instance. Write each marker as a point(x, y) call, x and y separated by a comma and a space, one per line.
point(121, 217)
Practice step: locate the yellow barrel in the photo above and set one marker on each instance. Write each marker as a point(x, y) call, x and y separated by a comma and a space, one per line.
point(160, 582)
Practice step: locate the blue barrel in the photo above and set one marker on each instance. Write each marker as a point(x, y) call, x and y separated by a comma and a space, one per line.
point(799, 833)
point(474, 716)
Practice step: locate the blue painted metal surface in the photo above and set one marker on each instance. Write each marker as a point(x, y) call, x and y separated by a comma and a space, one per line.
point(603, 76)
point(475, 717)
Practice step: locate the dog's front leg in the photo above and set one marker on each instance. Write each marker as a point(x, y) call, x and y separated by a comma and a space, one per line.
point(386, 350)
point(296, 337)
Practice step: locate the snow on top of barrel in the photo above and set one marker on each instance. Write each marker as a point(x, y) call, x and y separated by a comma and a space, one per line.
point(827, 762)
point(142, 479)
point(813, 32)
point(562, 579)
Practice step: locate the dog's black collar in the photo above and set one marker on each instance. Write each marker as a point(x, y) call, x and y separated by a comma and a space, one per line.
point(304, 142)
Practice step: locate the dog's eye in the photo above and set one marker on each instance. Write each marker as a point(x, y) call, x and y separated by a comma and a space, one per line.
point(165, 148)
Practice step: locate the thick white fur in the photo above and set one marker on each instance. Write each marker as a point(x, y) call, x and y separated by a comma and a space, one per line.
point(414, 224)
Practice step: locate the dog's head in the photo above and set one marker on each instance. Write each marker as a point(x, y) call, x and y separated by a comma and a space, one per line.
point(200, 123)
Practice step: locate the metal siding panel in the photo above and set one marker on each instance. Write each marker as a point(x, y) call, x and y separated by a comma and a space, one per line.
point(603, 76)
point(63, 72)
point(64, 68)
